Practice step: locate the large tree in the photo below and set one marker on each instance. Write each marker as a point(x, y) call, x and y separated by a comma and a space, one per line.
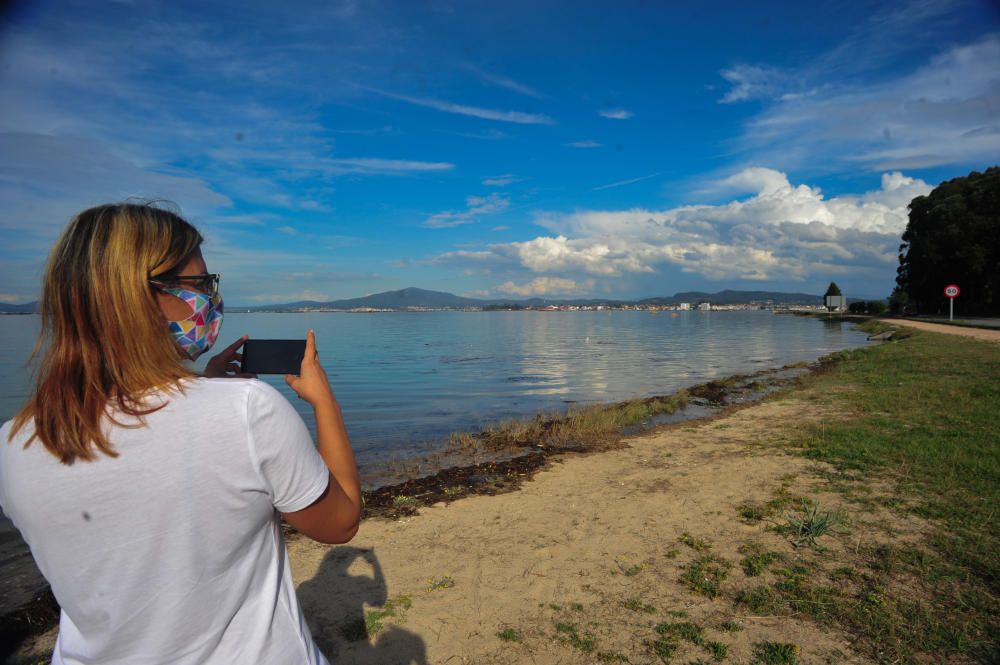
point(953, 237)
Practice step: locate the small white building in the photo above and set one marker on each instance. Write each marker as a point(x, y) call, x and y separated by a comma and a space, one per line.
point(705, 306)
point(836, 303)
point(685, 305)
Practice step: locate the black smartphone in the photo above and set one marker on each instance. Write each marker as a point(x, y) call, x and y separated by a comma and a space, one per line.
point(273, 356)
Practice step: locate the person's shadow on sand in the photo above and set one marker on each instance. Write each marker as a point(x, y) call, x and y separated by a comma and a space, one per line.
point(333, 603)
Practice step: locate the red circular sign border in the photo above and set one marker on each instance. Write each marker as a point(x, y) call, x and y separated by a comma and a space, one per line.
point(957, 291)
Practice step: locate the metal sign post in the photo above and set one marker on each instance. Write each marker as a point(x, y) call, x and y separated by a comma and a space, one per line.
point(952, 292)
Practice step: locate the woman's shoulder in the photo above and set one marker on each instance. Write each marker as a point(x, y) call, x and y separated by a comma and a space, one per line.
point(255, 390)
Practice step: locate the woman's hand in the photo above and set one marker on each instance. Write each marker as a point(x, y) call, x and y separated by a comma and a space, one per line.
point(227, 364)
point(311, 384)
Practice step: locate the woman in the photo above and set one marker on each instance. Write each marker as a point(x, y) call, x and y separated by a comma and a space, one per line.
point(149, 495)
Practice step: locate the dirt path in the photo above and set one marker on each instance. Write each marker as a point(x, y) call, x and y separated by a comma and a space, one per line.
point(976, 333)
point(579, 565)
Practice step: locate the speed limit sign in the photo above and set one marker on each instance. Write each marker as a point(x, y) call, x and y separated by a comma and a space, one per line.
point(952, 292)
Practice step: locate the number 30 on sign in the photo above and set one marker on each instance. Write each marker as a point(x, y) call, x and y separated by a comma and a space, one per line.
point(952, 290)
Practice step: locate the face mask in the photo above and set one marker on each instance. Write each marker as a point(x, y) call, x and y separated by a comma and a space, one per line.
point(197, 333)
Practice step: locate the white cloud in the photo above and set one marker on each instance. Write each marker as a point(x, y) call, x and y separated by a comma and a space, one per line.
point(622, 183)
point(546, 286)
point(782, 231)
point(615, 114)
point(500, 180)
point(583, 144)
point(940, 111)
point(378, 166)
point(476, 207)
point(752, 82)
point(505, 82)
point(45, 180)
point(518, 117)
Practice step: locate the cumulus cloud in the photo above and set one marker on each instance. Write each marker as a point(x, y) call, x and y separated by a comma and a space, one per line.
point(476, 207)
point(546, 286)
point(782, 231)
point(616, 114)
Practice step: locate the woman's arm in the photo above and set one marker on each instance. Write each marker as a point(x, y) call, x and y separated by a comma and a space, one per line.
point(334, 516)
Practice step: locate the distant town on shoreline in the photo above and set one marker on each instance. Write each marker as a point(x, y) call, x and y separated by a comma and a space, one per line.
point(416, 300)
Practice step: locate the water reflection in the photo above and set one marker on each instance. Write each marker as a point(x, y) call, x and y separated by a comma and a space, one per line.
point(407, 379)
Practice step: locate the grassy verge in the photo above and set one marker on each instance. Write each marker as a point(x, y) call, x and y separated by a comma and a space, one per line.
point(922, 418)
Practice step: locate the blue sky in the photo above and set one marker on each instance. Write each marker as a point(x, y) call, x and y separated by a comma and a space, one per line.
point(558, 149)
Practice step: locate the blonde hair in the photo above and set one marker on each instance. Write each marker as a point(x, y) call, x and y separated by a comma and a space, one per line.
point(103, 337)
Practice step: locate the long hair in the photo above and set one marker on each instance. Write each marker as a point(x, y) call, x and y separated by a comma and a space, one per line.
point(103, 339)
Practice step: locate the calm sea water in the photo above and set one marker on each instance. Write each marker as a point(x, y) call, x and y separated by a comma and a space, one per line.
point(405, 380)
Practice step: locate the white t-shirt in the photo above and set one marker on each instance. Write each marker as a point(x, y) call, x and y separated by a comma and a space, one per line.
point(172, 552)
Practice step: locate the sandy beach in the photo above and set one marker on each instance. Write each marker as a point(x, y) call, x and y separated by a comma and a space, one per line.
point(575, 546)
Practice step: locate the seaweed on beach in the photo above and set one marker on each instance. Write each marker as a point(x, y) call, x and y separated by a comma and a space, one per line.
point(484, 478)
point(531, 442)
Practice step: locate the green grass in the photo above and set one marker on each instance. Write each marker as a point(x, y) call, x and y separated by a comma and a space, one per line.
point(921, 417)
point(637, 605)
point(751, 512)
point(672, 633)
point(628, 569)
point(373, 621)
point(684, 630)
point(756, 559)
point(705, 575)
point(697, 544)
point(569, 632)
point(776, 653)
point(810, 524)
point(718, 650)
point(403, 501)
point(509, 635)
point(665, 649)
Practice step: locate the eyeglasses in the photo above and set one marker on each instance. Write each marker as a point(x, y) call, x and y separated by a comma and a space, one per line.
point(207, 283)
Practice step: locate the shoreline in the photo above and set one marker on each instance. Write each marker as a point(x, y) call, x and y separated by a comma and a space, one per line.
point(404, 497)
point(843, 519)
point(703, 403)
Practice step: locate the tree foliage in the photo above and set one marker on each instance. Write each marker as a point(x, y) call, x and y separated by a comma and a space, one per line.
point(832, 290)
point(953, 237)
point(867, 307)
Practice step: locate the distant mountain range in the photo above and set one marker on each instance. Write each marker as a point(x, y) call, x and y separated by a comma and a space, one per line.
point(26, 308)
point(422, 298)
